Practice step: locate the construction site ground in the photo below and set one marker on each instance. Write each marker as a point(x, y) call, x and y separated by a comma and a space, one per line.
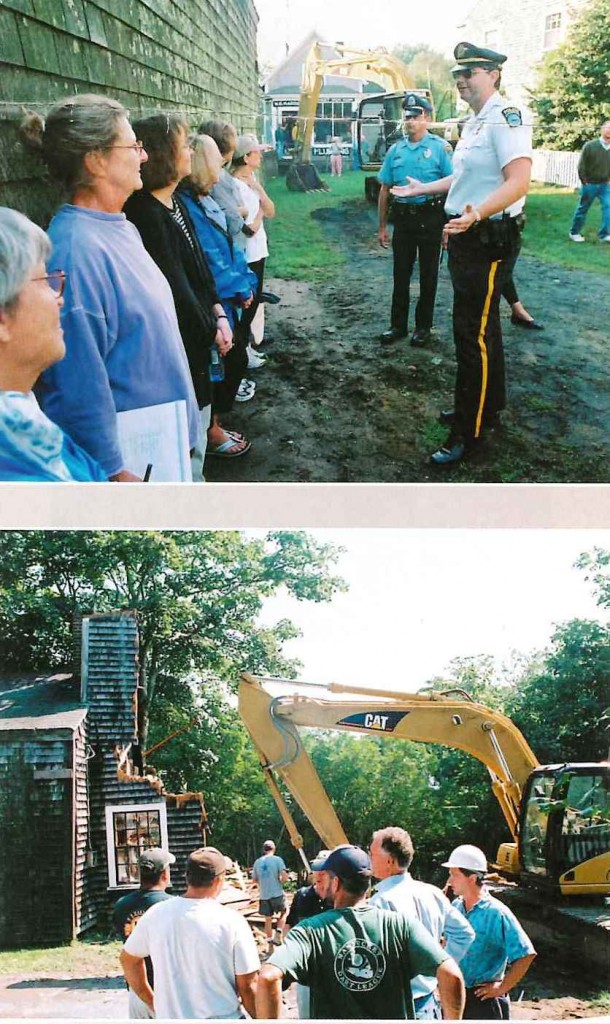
point(333, 405)
point(90, 986)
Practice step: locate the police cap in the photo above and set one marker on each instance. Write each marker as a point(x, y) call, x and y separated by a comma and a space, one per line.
point(469, 56)
point(414, 104)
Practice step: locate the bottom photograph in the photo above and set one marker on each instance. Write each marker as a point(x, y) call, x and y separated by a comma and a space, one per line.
point(308, 774)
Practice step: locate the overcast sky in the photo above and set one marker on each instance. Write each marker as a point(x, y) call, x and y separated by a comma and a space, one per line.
point(360, 23)
point(419, 598)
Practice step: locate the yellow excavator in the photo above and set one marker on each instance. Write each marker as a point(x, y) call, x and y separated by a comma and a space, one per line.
point(558, 815)
point(368, 65)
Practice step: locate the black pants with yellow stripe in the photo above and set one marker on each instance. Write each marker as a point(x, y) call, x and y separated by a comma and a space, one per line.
point(478, 265)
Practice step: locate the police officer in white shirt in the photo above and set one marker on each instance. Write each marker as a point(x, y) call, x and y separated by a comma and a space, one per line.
point(486, 194)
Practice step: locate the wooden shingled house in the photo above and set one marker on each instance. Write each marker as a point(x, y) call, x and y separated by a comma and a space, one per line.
point(75, 811)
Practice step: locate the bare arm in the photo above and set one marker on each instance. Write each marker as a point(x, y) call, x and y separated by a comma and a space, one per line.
point(383, 235)
point(284, 877)
point(124, 476)
point(515, 185)
point(269, 993)
point(246, 988)
point(451, 990)
point(267, 204)
point(134, 970)
point(422, 188)
point(516, 971)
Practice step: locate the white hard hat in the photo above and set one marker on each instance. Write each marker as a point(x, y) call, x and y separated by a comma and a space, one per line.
point(468, 857)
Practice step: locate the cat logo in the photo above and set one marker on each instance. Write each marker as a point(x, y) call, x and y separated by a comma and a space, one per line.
point(375, 721)
point(372, 721)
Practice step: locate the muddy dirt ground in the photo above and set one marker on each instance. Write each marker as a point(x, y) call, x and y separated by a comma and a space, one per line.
point(332, 405)
point(548, 994)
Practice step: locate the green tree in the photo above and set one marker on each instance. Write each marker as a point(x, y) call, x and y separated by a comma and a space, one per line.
point(430, 70)
point(561, 706)
point(571, 97)
point(197, 595)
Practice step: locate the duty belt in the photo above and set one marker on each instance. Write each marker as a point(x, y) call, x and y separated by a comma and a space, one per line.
point(412, 208)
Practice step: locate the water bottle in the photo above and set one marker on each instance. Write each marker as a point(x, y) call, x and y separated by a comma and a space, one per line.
point(217, 370)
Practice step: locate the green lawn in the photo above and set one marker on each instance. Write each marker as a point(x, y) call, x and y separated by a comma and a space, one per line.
point(300, 249)
point(549, 214)
point(90, 956)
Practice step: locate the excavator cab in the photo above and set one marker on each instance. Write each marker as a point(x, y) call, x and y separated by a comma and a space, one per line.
point(378, 127)
point(564, 837)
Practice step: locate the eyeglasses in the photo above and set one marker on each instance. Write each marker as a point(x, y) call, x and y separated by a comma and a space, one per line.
point(56, 279)
point(138, 146)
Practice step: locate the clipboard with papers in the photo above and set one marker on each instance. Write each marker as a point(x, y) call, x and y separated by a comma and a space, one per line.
point(156, 436)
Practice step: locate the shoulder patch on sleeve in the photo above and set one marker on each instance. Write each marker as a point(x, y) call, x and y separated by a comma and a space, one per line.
point(512, 116)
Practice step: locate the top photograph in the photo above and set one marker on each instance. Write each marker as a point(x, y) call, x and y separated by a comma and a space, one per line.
point(289, 242)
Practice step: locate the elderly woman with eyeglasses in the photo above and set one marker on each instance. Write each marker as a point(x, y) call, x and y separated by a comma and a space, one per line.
point(123, 345)
point(32, 448)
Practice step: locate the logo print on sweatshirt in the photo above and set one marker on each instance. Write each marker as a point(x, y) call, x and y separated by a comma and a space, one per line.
point(359, 965)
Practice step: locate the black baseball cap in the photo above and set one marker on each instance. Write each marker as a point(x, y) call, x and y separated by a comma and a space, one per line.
point(347, 862)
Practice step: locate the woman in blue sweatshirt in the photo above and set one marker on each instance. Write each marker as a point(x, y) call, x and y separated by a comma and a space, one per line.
point(123, 344)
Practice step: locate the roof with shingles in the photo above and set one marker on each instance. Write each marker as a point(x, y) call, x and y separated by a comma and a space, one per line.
point(37, 702)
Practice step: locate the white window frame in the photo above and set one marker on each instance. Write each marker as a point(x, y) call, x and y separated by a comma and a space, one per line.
point(548, 30)
point(111, 810)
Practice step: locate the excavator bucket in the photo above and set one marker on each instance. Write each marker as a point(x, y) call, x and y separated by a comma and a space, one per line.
point(305, 178)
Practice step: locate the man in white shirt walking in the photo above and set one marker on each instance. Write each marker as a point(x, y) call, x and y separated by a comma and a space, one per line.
point(391, 856)
point(204, 955)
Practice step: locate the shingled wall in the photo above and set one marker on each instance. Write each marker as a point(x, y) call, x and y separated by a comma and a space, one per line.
point(197, 56)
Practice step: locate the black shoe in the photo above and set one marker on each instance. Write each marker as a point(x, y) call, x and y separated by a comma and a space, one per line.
point(446, 416)
point(270, 297)
point(451, 452)
point(530, 325)
point(394, 334)
point(420, 337)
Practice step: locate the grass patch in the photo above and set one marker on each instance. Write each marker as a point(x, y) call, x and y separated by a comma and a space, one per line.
point(298, 248)
point(549, 215)
point(92, 956)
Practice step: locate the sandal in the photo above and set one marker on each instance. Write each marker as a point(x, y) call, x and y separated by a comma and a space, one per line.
point(225, 450)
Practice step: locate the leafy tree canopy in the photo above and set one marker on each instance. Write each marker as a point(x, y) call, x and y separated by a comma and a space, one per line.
point(572, 94)
point(197, 595)
point(430, 70)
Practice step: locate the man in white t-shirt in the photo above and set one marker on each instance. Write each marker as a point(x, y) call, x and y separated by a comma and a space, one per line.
point(204, 955)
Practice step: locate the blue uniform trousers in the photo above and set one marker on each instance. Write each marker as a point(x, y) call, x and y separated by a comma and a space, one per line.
point(479, 262)
point(418, 230)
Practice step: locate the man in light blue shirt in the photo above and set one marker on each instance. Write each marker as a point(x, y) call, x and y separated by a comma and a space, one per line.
point(391, 856)
point(501, 953)
point(269, 871)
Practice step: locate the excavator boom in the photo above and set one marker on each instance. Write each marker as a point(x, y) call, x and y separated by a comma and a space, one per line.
point(371, 65)
point(274, 710)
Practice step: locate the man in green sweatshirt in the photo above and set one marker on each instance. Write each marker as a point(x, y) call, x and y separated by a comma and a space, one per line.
point(594, 173)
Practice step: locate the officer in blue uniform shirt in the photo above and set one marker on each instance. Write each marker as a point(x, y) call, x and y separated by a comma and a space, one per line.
point(418, 221)
point(486, 194)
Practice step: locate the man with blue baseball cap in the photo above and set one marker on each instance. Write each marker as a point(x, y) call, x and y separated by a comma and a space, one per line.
point(418, 220)
point(358, 959)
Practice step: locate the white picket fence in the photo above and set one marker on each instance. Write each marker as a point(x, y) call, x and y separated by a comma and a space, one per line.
point(554, 168)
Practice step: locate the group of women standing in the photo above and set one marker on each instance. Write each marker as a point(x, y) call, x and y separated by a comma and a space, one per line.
point(158, 296)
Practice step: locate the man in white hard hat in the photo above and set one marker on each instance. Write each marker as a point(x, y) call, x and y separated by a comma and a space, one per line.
point(391, 855)
point(501, 953)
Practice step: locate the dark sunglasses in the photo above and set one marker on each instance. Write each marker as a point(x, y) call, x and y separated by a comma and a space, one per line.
point(468, 72)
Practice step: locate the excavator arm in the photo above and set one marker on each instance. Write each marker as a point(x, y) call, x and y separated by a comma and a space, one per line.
point(274, 710)
point(369, 65)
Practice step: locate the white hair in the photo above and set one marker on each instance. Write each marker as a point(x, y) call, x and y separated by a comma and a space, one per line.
point(23, 245)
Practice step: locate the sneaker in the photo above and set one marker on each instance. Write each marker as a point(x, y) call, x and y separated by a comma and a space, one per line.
point(606, 238)
point(254, 360)
point(245, 391)
point(576, 238)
